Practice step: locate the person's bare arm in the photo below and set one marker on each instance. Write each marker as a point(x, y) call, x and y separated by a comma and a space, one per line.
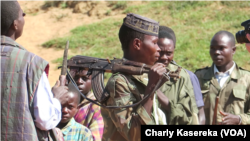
point(163, 100)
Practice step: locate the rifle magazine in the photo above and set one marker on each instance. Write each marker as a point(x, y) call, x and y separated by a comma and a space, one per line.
point(98, 86)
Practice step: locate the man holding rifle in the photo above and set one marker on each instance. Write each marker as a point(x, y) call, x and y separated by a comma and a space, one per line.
point(224, 85)
point(180, 94)
point(138, 36)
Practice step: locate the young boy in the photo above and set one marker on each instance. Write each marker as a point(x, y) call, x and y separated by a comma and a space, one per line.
point(89, 114)
point(138, 36)
point(72, 131)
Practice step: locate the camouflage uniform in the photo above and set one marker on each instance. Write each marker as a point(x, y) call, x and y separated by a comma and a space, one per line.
point(181, 99)
point(124, 124)
point(233, 96)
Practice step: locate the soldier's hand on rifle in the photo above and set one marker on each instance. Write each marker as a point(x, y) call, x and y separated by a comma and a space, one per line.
point(59, 91)
point(230, 119)
point(155, 74)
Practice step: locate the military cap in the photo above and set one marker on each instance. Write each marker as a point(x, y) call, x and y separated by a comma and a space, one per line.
point(141, 24)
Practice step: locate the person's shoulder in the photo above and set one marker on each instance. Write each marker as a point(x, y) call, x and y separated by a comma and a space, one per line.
point(81, 127)
point(191, 74)
point(30, 56)
point(201, 71)
point(117, 78)
point(84, 132)
point(183, 73)
point(92, 106)
point(173, 66)
point(244, 71)
point(244, 74)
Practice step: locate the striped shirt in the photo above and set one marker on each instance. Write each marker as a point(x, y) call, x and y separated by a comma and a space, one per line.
point(90, 116)
point(74, 131)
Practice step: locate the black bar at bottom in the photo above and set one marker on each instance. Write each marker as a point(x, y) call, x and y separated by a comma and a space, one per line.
point(194, 132)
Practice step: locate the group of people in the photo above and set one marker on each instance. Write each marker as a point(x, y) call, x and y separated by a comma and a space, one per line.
point(30, 110)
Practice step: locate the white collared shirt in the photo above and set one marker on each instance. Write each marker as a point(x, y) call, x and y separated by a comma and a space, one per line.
point(222, 77)
point(47, 109)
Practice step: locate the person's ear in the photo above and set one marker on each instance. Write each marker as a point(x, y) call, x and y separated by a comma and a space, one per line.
point(14, 25)
point(137, 44)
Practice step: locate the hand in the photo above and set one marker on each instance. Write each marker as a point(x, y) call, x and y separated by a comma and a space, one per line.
point(229, 119)
point(155, 74)
point(59, 91)
point(248, 44)
point(63, 80)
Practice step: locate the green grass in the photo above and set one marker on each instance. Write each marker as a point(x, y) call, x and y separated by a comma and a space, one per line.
point(117, 4)
point(194, 24)
point(99, 39)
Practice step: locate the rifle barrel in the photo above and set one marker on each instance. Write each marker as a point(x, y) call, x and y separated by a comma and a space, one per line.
point(65, 57)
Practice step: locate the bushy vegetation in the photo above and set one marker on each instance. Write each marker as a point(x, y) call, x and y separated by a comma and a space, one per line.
point(194, 24)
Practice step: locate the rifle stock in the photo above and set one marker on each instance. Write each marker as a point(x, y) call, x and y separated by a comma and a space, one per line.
point(215, 111)
point(97, 67)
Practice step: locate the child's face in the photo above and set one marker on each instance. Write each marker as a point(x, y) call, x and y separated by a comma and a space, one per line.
point(82, 80)
point(69, 107)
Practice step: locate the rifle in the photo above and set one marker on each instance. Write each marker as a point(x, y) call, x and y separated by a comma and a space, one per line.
point(98, 66)
point(62, 79)
point(215, 111)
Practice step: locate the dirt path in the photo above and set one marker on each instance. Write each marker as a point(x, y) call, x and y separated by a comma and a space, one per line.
point(41, 26)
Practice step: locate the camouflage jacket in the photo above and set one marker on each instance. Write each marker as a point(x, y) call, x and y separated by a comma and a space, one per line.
point(124, 124)
point(181, 99)
point(233, 96)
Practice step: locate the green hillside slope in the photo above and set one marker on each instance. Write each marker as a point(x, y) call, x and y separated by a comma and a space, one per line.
point(194, 24)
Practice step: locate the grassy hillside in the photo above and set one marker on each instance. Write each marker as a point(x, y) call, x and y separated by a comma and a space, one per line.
point(194, 24)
